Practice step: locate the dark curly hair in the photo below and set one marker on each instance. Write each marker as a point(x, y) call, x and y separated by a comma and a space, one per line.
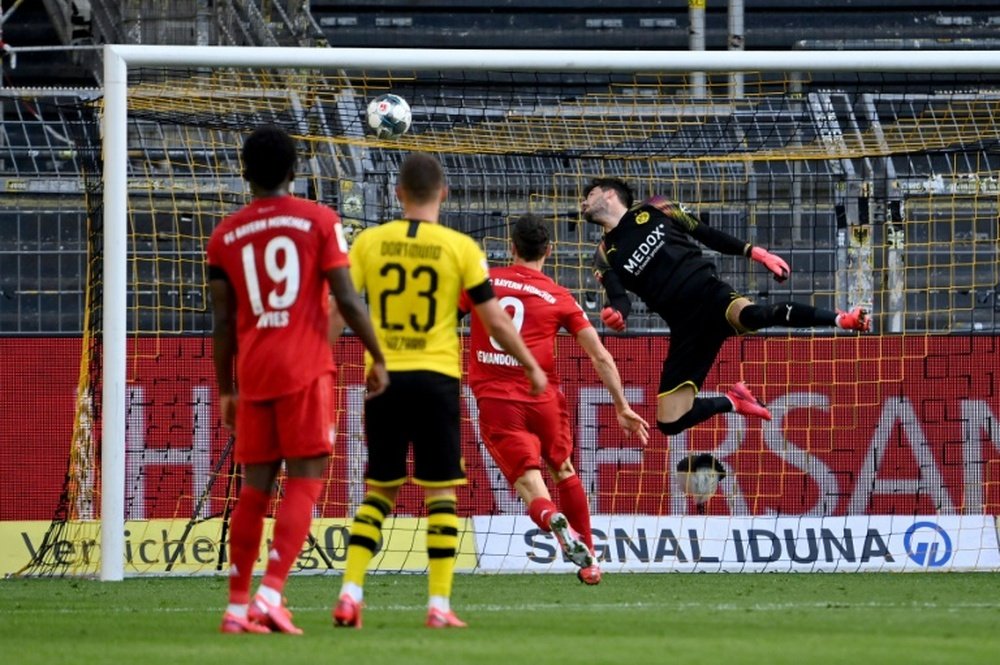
point(617, 184)
point(268, 157)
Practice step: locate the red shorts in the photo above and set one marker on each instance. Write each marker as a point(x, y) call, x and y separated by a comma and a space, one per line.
point(521, 435)
point(296, 426)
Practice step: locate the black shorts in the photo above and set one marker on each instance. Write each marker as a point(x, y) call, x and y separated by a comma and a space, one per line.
point(421, 408)
point(698, 329)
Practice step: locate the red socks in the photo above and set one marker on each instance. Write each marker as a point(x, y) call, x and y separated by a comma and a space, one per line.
point(245, 528)
point(540, 511)
point(291, 527)
point(575, 506)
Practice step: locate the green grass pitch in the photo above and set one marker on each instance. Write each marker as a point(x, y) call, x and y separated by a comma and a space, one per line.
point(513, 619)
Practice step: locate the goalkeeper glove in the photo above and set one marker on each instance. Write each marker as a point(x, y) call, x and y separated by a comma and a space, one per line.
point(772, 262)
point(613, 319)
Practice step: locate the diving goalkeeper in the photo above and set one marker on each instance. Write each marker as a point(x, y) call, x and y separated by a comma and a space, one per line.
point(649, 249)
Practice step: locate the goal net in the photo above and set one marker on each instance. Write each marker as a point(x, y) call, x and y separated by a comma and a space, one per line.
point(879, 188)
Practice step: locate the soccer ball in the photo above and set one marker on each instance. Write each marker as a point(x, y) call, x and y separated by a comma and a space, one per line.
point(699, 474)
point(701, 484)
point(389, 116)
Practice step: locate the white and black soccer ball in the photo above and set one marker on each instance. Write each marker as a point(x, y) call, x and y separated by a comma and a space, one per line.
point(699, 474)
point(389, 116)
point(701, 484)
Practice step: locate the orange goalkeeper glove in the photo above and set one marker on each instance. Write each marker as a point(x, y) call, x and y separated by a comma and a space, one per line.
point(772, 262)
point(613, 319)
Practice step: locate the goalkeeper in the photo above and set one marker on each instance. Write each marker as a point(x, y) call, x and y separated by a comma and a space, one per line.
point(649, 249)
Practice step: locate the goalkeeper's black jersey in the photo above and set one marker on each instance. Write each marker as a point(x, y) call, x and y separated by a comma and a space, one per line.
point(653, 254)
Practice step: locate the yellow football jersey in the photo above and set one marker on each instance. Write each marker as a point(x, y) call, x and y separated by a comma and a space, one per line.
point(413, 273)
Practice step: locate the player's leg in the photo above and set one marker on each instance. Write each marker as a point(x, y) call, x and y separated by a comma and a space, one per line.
point(517, 452)
point(573, 500)
point(547, 516)
point(438, 468)
point(366, 533)
point(246, 527)
point(695, 343)
point(364, 540)
point(748, 316)
point(387, 418)
point(530, 486)
point(678, 409)
point(513, 433)
point(550, 421)
point(442, 550)
point(305, 430)
point(291, 527)
point(677, 406)
point(257, 451)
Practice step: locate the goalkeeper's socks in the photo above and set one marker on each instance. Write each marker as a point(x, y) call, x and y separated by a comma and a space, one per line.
point(702, 409)
point(540, 511)
point(787, 314)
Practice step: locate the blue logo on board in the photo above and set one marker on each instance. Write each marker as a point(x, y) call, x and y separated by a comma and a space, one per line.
point(927, 544)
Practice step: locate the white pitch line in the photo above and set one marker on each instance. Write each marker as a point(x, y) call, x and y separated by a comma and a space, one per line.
point(528, 607)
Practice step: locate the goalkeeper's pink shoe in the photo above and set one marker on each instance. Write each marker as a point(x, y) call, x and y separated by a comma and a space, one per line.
point(856, 319)
point(276, 617)
point(347, 613)
point(232, 625)
point(439, 619)
point(745, 403)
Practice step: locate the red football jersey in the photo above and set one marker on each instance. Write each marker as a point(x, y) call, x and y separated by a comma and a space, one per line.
point(539, 308)
point(275, 252)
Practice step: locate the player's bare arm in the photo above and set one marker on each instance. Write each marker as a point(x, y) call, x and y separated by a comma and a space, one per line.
point(499, 326)
point(224, 344)
point(355, 314)
point(604, 364)
point(335, 323)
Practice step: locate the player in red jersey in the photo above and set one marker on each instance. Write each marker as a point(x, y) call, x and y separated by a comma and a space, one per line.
point(522, 431)
point(271, 267)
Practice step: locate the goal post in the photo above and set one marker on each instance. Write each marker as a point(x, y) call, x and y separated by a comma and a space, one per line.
point(119, 59)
